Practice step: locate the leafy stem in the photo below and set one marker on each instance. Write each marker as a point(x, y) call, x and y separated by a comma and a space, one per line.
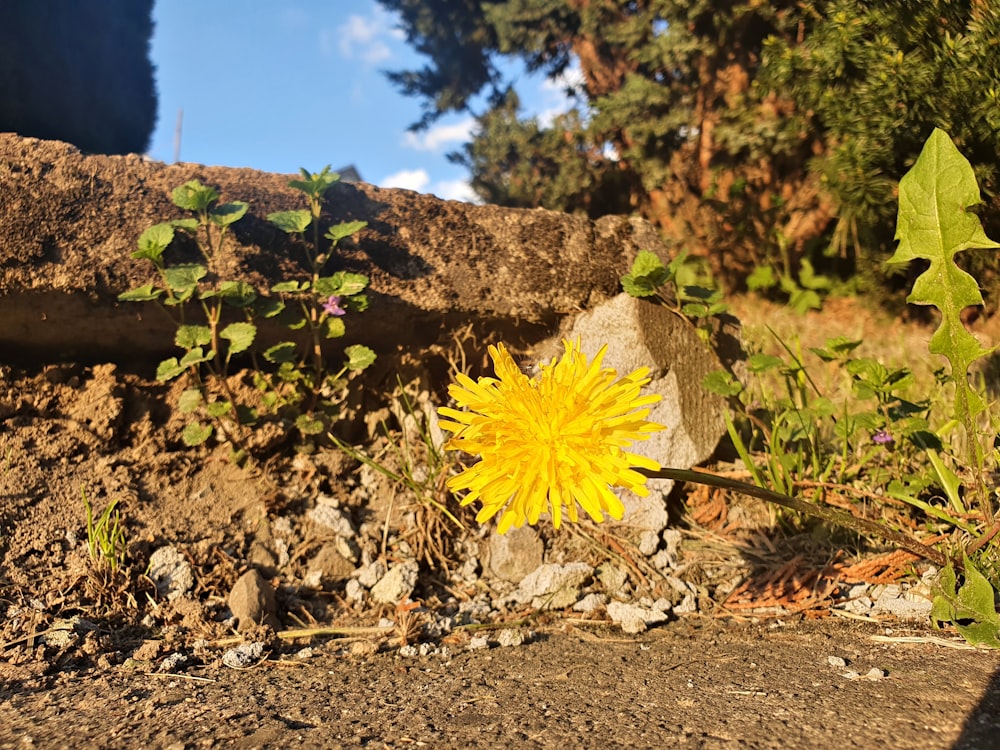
point(822, 512)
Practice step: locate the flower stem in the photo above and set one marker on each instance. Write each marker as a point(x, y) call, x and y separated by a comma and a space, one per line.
point(823, 512)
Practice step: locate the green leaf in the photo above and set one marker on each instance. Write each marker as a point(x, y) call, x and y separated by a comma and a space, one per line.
point(758, 363)
point(239, 335)
point(723, 383)
point(193, 196)
point(188, 224)
point(314, 184)
point(228, 213)
point(145, 293)
point(283, 352)
point(154, 241)
point(183, 279)
point(762, 277)
point(341, 284)
point(196, 433)
point(803, 300)
point(333, 328)
point(190, 336)
point(169, 369)
point(308, 424)
point(218, 409)
point(292, 222)
point(268, 307)
point(359, 357)
point(290, 287)
point(289, 373)
point(189, 401)
point(648, 274)
point(337, 232)
point(246, 415)
point(237, 293)
point(809, 279)
point(195, 357)
point(934, 224)
point(836, 348)
point(970, 608)
point(358, 302)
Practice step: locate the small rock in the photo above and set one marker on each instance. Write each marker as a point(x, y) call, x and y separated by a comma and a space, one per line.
point(611, 577)
point(836, 661)
point(688, 605)
point(662, 605)
point(330, 564)
point(553, 586)
point(172, 662)
point(261, 557)
point(354, 591)
point(632, 618)
point(893, 600)
point(515, 554)
point(252, 602)
point(477, 642)
point(510, 637)
point(171, 573)
point(408, 651)
point(397, 585)
point(370, 574)
point(332, 519)
point(363, 648)
point(590, 602)
point(243, 656)
point(872, 675)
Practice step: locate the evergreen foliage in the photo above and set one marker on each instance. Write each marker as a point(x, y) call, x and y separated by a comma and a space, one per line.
point(757, 133)
point(78, 72)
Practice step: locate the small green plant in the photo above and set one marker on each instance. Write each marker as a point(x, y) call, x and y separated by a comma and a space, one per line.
point(935, 224)
point(933, 450)
point(677, 285)
point(105, 537)
point(295, 385)
point(414, 462)
point(969, 605)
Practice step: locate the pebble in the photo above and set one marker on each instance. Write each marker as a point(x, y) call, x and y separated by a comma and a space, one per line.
point(510, 637)
point(590, 602)
point(634, 619)
point(244, 655)
point(478, 642)
point(252, 601)
point(553, 586)
point(397, 585)
point(171, 572)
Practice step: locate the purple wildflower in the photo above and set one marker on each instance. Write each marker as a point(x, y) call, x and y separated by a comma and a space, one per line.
point(882, 438)
point(332, 306)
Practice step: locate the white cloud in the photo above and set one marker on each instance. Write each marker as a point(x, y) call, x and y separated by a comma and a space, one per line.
point(408, 179)
point(556, 95)
point(361, 37)
point(434, 138)
point(455, 190)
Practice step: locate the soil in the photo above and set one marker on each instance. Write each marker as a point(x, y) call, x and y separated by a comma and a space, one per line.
point(116, 657)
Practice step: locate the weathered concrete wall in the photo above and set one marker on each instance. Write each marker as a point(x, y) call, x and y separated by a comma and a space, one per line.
point(68, 223)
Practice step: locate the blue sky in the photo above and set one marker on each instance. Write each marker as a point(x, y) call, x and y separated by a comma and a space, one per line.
point(282, 84)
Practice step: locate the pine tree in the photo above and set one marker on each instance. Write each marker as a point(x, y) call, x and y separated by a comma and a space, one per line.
point(745, 129)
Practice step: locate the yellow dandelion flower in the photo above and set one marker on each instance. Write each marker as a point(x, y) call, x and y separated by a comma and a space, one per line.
point(551, 443)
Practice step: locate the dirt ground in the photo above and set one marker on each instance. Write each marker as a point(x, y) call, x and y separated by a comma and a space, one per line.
point(110, 660)
point(765, 686)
